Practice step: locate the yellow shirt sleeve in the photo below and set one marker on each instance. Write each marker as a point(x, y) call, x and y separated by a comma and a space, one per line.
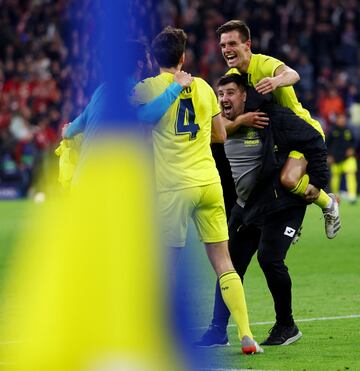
point(269, 65)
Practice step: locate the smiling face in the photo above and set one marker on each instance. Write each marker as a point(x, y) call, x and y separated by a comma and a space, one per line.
point(235, 51)
point(232, 100)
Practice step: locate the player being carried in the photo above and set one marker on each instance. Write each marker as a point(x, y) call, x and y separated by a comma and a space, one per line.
point(269, 75)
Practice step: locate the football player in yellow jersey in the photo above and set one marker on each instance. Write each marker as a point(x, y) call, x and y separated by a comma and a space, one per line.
point(269, 75)
point(187, 179)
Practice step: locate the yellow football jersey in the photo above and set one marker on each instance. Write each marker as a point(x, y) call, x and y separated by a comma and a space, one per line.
point(182, 137)
point(262, 66)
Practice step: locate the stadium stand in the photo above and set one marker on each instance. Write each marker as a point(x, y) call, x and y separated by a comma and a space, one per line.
point(48, 69)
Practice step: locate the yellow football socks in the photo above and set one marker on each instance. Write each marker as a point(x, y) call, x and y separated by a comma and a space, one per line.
point(233, 294)
point(301, 186)
point(323, 200)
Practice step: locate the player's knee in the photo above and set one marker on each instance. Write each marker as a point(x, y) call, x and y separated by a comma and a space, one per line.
point(267, 261)
point(289, 180)
point(219, 257)
point(263, 259)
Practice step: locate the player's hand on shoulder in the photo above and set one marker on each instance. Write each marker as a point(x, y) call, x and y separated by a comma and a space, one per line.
point(266, 85)
point(311, 193)
point(256, 119)
point(183, 78)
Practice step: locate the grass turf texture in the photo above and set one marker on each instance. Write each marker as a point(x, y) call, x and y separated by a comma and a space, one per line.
point(12, 220)
point(326, 280)
point(326, 283)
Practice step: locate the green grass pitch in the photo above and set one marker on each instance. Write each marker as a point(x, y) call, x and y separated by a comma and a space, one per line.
point(326, 283)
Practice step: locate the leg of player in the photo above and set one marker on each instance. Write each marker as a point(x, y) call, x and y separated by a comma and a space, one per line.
point(294, 178)
point(174, 255)
point(277, 234)
point(350, 169)
point(335, 181)
point(233, 293)
point(243, 243)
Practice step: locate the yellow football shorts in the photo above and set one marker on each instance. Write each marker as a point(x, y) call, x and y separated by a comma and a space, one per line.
point(348, 166)
point(204, 204)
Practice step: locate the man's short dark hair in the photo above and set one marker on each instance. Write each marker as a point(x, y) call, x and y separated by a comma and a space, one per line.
point(168, 47)
point(235, 25)
point(239, 80)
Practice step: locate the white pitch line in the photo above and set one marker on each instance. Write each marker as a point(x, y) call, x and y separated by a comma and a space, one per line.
point(349, 316)
point(297, 320)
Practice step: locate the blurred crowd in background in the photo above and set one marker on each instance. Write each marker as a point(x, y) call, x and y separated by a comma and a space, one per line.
point(45, 80)
point(48, 68)
point(319, 39)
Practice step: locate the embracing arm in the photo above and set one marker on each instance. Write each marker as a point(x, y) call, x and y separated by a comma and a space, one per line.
point(218, 132)
point(283, 76)
point(286, 76)
point(153, 111)
point(255, 119)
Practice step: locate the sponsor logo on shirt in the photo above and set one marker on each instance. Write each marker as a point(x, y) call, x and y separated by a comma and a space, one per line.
point(289, 232)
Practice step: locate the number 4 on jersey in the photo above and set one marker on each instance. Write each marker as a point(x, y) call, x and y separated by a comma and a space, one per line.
point(185, 122)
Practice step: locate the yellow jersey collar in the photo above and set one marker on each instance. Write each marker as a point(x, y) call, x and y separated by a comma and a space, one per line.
point(167, 76)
